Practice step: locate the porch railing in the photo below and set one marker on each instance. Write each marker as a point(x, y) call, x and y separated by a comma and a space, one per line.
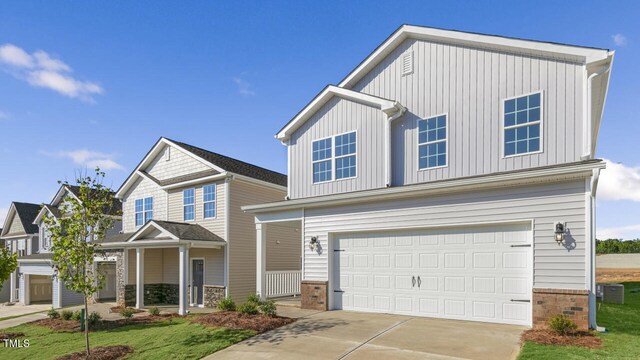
point(282, 283)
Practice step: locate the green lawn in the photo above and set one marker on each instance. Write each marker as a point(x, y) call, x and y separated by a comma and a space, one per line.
point(621, 342)
point(176, 339)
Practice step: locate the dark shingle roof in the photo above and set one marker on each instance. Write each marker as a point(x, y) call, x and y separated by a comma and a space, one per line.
point(115, 238)
point(188, 231)
point(236, 166)
point(54, 210)
point(27, 213)
point(115, 208)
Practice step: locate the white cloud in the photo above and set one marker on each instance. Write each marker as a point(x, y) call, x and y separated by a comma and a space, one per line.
point(244, 88)
point(88, 158)
point(41, 70)
point(623, 232)
point(619, 182)
point(619, 39)
point(3, 215)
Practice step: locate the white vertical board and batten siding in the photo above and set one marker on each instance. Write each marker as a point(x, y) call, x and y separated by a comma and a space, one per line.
point(339, 116)
point(541, 204)
point(469, 85)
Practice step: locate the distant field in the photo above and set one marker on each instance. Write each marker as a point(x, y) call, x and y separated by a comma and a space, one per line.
point(617, 275)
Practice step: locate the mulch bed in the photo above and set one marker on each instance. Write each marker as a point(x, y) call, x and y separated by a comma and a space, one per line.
point(118, 310)
point(61, 325)
point(235, 320)
point(100, 353)
point(547, 337)
point(10, 336)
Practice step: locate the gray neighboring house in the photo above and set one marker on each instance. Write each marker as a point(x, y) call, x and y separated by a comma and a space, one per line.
point(185, 240)
point(21, 236)
point(6, 286)
point(449, 175)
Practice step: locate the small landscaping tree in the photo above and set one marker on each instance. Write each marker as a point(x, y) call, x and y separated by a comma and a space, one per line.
point(75, 237)
point(8, 263)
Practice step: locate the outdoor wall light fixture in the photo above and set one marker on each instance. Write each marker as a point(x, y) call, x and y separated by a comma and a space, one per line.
point(559, 231)
point(313, 243)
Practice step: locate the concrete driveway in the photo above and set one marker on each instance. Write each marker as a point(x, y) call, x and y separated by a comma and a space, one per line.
point(351, 335)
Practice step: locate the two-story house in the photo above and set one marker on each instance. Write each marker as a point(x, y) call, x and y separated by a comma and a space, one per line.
point(21, 236)
point(185, 239)
point(449, 175)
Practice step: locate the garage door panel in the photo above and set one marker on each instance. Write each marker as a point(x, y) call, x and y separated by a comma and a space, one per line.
point(471, 273)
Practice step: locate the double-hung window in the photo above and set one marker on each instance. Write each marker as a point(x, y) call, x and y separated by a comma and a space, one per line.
point(522, 124)
point(334, 158)
point(189, 204)
point(322, 158)
point(432, 142)
point(346, 155)
point(143, 210)
point(209, 200)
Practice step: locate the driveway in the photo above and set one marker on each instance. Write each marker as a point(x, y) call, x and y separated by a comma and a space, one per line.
point(351, 335)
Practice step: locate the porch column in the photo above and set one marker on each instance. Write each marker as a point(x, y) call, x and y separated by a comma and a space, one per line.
point(261, 259)
point(139, 278)
point(184, 271)
point(13, 287)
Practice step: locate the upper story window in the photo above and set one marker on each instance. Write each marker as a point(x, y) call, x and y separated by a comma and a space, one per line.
point(322, 160)
point(432, 142)
point(522, 124)
point(341, 158)
point(143, 210)
point(209, 200)
point(45, 235)
point(188, 202)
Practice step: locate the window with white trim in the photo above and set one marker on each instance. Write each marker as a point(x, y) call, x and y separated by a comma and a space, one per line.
point(189, 204)
point(143, 210)
point(432, 142)
point(522, 123)
point(345, 155)
point(322, 160)
point(209, 201)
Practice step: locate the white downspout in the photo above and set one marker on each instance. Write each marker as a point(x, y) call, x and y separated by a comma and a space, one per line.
point(399, 110)
point(592, 249)
point(588, 146)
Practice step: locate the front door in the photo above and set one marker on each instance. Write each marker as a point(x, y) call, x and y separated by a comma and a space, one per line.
point(197, 281)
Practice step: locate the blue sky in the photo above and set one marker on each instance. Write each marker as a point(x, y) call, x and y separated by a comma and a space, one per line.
point(88, 83)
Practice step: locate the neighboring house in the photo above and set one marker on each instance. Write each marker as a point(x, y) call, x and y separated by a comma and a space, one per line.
point(185, 239)
point(5, 292)
point(429, 181)
point(21, 236)
point(37, 267)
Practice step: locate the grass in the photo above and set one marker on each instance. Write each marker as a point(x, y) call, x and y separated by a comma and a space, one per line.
point(167, 339)
point(622, 341)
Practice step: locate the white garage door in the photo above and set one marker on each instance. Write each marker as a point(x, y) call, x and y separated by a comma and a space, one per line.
point(481, 274)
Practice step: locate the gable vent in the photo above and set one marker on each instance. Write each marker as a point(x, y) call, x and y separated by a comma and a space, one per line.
point(407, 63)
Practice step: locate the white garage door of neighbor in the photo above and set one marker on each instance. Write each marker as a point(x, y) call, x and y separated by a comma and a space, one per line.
point(481, 274)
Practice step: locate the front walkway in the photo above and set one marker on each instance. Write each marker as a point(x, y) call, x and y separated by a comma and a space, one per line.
point(351, 335)
point(19, 310)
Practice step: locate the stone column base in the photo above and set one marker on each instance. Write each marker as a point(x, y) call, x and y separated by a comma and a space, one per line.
point(314, 295)
point(548, 303)
point(213, 294)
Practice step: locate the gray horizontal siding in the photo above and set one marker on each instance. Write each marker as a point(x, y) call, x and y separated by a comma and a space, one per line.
point(70, 297)
point(554, 266)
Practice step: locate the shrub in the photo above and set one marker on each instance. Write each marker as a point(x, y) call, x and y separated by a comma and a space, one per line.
point(254, 298)
point(154, 310)
point(248, 308)
point(76, 315)
point(562, 325)
point(67, 314)
point(53, 314)
point(268, 308)
point(127, 313)
point(226, 304)
point(94, 317)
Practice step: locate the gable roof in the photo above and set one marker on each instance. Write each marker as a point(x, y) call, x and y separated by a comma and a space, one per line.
point(178, 231)
point(389, 107)
point(113, 209)
point(26, 213)
point(558, 51)
point(220, 163)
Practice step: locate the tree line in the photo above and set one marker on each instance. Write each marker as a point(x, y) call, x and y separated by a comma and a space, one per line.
point(617, 246)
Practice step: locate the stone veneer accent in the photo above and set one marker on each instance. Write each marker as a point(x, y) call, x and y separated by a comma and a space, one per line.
point(154, 294)
point(314, 295)
point(548, 303)
point(213, 294)
point(120, 287)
